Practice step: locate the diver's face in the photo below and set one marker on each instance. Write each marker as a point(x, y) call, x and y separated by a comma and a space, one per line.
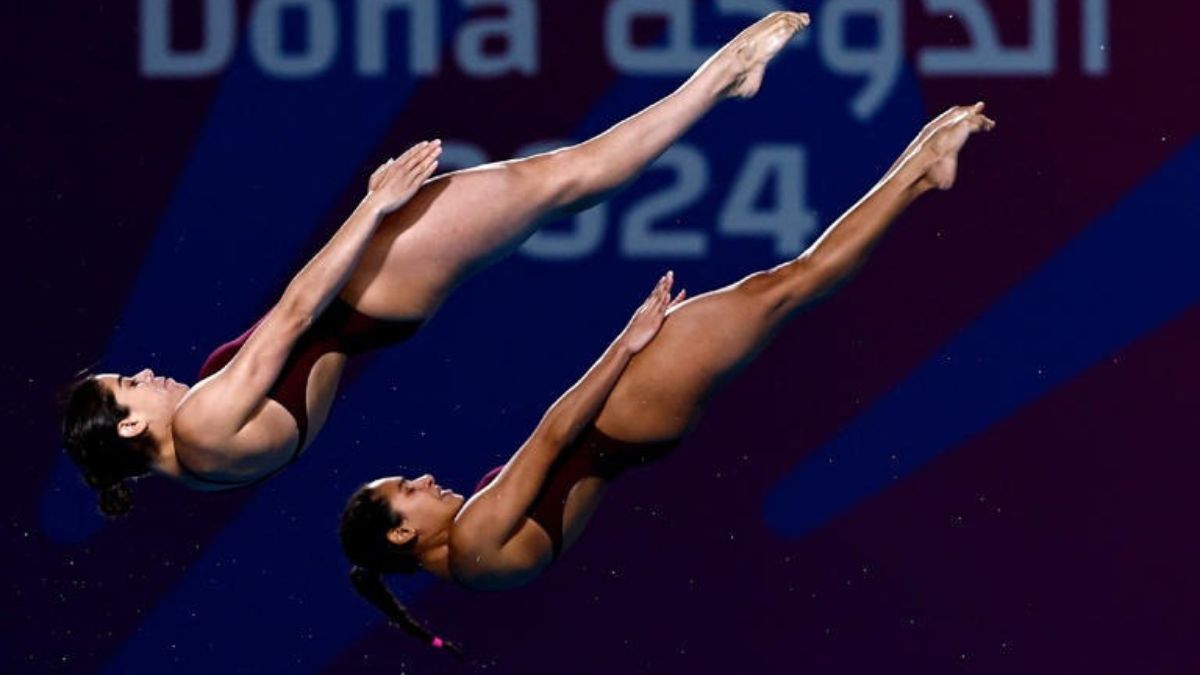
point(151, 400)
point(423, 506)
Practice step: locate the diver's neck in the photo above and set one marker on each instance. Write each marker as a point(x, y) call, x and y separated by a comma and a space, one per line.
point(435, 556)
point(165, 461)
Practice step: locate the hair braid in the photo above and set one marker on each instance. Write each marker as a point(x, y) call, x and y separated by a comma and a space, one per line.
point(365, 523)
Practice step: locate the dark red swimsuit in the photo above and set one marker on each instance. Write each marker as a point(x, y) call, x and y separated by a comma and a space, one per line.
point(341, 329)
point(594, 453)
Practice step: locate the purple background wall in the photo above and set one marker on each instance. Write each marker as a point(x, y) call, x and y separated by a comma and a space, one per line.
point(977, 457)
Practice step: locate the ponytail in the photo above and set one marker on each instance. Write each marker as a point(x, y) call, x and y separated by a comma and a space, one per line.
point(365, 523)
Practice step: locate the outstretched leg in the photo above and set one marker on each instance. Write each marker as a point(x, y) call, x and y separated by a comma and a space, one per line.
point(461, 222)
point(708, 338)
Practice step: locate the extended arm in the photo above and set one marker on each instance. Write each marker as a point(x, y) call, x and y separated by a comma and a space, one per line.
point(489, 520)
point(390, 187)
point(217, 409)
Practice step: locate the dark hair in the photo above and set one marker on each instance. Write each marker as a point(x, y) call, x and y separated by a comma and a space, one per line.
point(90, 436)
point(365, 523)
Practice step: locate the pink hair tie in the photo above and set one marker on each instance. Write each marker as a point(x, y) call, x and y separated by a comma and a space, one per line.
point(437, 642)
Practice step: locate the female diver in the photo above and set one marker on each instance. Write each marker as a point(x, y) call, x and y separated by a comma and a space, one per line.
point(631, 407)
point(263, 397)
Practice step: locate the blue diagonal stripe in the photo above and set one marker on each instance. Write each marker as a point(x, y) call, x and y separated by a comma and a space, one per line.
point(1127, 273)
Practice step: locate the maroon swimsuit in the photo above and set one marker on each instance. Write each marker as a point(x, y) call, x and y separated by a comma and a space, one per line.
point(341, 329)
point(592, 454)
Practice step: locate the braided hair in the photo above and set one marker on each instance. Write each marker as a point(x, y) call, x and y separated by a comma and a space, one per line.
point(105, 459)
point(365, 523)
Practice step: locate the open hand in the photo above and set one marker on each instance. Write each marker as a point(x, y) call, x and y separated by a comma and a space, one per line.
point(397, 180)
point(648, 318)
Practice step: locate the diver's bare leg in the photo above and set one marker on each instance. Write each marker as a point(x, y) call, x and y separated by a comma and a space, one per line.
point(708, 338)
point(465, 220)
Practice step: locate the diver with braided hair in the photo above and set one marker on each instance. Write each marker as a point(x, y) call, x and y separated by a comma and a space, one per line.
point(633, 406)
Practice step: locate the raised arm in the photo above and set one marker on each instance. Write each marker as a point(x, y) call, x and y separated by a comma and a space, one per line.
point(390, 187)
point(216, 411)
point(491, 517)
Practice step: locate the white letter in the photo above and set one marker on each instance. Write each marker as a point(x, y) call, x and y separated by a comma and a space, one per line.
point(986, 56)
point(586, 231)
point(880, 64)
point(638, 238)
point(518, 30)
point(757, 9)
point(1095, 37)
point(159, 60)
point(752, 8)
point(789, 222)
point(267, 38)
point(423, 36)
point(678, 56)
